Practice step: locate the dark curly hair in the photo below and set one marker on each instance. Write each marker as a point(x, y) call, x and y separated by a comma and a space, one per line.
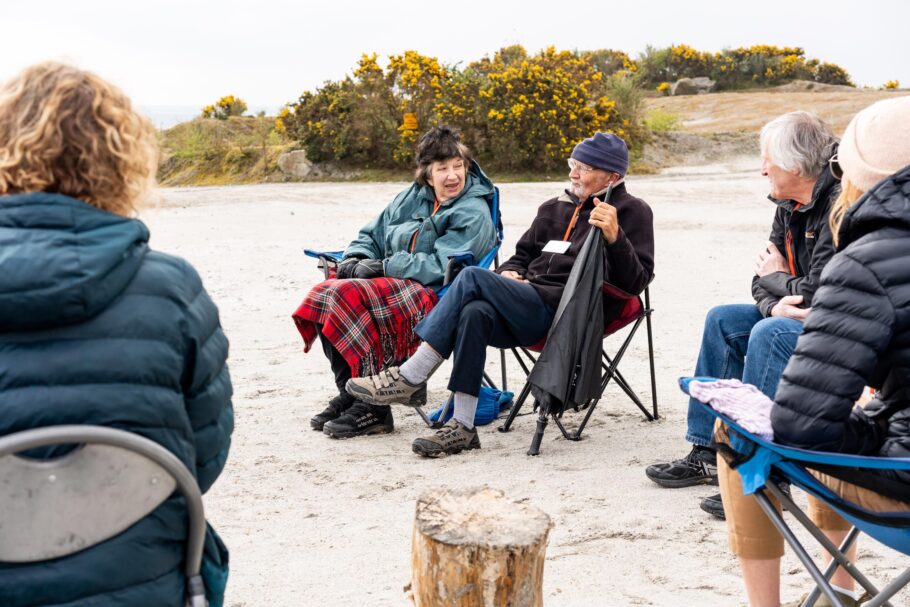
point(439, 143)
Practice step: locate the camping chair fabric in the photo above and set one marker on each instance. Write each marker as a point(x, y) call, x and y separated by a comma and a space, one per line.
point(57, 507)
point(759, 460)
point(636, 309)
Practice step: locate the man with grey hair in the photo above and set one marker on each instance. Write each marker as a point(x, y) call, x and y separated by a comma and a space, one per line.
point(753, 342)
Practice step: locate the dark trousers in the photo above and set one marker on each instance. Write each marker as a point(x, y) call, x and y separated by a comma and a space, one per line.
point(340, 367)
point(483, 309)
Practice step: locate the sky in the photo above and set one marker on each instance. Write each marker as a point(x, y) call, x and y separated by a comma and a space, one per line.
point(191, 53)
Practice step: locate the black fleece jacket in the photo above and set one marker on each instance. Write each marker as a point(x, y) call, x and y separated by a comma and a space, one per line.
point(629, 262)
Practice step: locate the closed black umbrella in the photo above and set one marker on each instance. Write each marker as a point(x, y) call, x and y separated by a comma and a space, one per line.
point(567, 373)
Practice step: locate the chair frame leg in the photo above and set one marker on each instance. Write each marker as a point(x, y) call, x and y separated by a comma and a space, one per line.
point(610, 373)
point(777, 520)
point(837, 553)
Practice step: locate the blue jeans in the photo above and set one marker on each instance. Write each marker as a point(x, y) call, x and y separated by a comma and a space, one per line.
point(482, 309)
point(738, 343)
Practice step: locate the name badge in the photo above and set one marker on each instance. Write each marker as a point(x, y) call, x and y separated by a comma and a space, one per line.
point(557, 246)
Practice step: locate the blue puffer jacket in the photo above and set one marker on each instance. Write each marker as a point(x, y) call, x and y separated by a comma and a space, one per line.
point(95, 328)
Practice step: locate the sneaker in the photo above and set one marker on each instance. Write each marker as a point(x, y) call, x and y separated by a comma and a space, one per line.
point(697, 468)
point(714, 506)
point(387, 387)
point(450, 439)
point(359, 420)
point(338, 405)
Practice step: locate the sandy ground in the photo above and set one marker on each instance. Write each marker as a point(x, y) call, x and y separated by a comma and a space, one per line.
point(314, 521)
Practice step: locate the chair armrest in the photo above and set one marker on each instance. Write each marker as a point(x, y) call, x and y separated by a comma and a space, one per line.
point(327, 260)
point(457, 261)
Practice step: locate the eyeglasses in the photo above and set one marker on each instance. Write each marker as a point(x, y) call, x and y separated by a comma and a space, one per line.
point(834, 166)
point(574, 165)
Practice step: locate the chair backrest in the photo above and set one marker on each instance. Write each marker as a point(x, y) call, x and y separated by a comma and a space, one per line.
point(55, 507)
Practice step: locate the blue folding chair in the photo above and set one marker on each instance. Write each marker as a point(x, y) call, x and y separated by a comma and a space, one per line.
point(328, 260)
point(764, 461)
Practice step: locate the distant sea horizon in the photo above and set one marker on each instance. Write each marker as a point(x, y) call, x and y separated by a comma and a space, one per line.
point(166, 116)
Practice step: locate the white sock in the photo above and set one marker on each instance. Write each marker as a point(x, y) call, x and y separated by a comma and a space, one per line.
point(465, 408)
point(420, 367)
point(844, 591)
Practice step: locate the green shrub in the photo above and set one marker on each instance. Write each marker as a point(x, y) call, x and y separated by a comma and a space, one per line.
point(659, 120)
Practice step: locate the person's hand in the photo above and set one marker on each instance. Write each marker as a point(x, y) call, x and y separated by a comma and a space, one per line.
point(604, 217)
point(513, 275)
point(345, 267)
point(787, 308)
point(368, 268)
point(769, 261)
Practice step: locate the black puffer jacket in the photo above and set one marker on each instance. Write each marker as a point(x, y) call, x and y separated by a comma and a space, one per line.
point(810, 241)
point(857, 334)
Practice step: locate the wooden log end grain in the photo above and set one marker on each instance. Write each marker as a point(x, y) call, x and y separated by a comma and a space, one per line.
point(477, 548)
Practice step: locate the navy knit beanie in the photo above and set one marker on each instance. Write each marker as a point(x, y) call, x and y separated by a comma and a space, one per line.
point(604, 151)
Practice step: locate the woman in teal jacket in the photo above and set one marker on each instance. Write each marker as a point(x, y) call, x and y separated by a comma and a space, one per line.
point(386, 282)
point(96, 328)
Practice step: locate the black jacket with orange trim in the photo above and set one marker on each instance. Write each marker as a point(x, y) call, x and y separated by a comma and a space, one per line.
point(811, 245)
point(629, 262)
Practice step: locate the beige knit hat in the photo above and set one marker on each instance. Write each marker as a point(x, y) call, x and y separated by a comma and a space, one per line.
point(876, 143)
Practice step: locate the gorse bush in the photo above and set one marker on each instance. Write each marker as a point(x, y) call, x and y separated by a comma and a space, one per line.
point(225, 107)
point(759, 65)
point(517, 111)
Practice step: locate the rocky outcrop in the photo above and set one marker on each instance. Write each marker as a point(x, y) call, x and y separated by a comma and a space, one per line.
point(692, 86)
point(296, 164)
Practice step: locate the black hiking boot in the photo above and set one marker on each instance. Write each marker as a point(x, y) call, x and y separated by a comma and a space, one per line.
point(697, 468)
point(338, 405)
point(359, 420)
point(714, 506)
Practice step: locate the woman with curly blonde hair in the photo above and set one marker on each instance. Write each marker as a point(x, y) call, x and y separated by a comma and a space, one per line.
point(96, 328)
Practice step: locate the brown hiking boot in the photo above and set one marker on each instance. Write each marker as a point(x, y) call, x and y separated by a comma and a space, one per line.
point(452, 438)
point(387, 387)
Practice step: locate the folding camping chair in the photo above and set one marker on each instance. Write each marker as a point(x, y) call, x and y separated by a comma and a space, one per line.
point(328, 261)
point(56, 507)
point(635, 311)
point(766, 461)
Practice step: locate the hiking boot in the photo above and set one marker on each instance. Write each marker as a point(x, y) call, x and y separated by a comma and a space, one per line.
point(338, 405)
point(387, 387)
point(823, 601)
point(697, 468)
point(714, 506)
point(359, 420)
point(450, 439)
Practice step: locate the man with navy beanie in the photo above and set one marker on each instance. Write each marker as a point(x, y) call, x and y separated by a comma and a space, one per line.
point(514, 305)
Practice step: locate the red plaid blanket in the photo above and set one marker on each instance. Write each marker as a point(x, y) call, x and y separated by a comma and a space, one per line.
point(370, 322)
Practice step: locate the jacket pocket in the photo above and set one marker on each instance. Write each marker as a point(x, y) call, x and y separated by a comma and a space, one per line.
point(214, 569)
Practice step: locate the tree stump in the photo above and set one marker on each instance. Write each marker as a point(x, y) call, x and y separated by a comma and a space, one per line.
point(476, 547)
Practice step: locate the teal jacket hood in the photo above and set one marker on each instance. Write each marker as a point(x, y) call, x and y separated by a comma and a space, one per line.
point(415, 243)
point(62, 260)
